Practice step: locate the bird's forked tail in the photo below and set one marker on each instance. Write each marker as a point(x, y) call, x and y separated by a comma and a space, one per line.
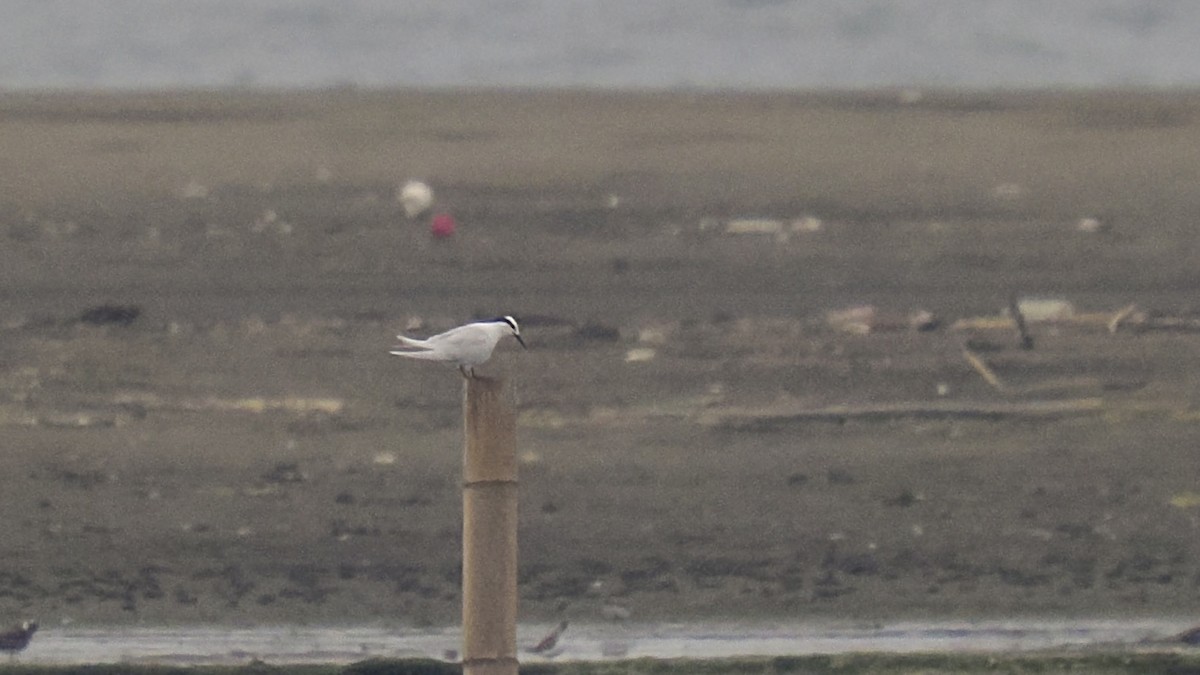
point(415, 344)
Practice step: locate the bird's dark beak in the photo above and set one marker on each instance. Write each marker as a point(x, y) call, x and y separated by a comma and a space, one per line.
point(518, 336)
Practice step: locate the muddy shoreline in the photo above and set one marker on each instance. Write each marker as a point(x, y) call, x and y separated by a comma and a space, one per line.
point(244, 451)
point(207, 646)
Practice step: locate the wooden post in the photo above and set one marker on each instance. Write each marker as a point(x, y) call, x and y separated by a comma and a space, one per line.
point(489, 530)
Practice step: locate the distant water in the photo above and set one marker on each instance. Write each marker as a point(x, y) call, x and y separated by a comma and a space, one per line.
point(747, 44)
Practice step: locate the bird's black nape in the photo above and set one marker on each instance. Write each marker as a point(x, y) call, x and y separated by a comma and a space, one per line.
point(512, 323)
point(510, 320)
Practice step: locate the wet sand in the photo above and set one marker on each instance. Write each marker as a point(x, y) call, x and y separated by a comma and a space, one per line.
point(195, 646)
point(245, 452)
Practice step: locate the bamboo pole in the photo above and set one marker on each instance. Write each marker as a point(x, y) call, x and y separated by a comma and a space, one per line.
point(984, 370)
point(489, 530)
point(1014, 308)
point(1119, 318)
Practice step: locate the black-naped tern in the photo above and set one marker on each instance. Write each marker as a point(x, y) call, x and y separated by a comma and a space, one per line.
point(468, 345)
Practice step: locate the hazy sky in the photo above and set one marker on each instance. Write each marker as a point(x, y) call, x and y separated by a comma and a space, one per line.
point(640, 43)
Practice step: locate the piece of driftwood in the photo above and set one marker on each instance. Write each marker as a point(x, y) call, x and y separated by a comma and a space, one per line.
point(731, 420)
point(1141, 321)
point(1129, 317)
point(1005, 322)
point(867, 319)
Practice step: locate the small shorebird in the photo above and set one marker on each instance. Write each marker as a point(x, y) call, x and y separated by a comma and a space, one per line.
point(548, 643)
point(16, 639)
point(468, 345)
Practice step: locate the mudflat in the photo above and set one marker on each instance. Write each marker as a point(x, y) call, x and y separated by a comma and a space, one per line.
point(731, 406)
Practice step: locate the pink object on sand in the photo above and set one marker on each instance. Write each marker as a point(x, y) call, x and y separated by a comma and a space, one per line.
point(442, 226)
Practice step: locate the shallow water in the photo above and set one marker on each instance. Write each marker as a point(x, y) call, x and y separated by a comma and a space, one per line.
point(281, 645)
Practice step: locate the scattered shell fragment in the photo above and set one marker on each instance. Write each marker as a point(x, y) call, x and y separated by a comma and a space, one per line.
point(857, 320)
point(265, 219)
point(640, 355)
point(269, 221)
point(1091, 225)
point(253, 404)
point(656, 334)
point(867, 319)
point(76, 420)
point(254, 325)
point(754, 226)
point(385, 458)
